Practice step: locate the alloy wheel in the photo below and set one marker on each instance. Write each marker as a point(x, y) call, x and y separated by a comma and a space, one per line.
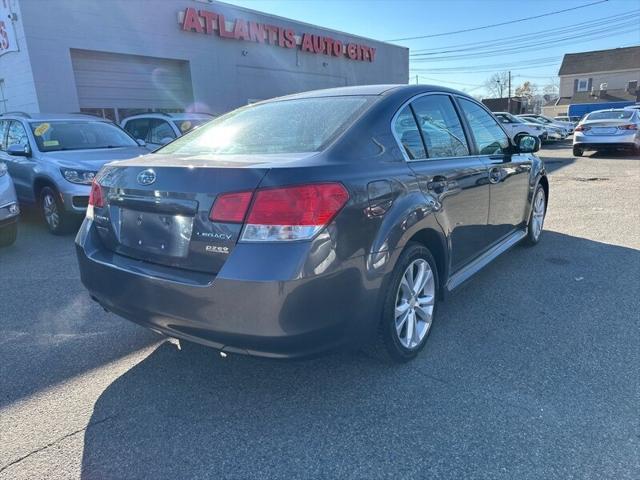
point(414, 304)
point(537, 218)
point(50, 209)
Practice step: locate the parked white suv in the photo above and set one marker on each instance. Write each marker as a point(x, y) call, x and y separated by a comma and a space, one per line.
point(158, 129)
point(515, 126)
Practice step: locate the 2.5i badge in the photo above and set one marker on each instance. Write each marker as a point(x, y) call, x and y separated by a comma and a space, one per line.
point(216, 249)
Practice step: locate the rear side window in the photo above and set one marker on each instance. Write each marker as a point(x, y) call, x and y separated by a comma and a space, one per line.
point(490, 138)
point(160, 132)
point(285, 126)
point(138, 128)
point(17, 134)
point(441, 128)
point(408, 135)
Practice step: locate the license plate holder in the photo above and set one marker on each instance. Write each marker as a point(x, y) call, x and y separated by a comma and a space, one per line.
point(604, 130)
point(158, 234)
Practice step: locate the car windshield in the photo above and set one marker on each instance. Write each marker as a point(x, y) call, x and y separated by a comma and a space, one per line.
point(287, 126)
point(79, 135)
point(611, 115)
point(187, 124)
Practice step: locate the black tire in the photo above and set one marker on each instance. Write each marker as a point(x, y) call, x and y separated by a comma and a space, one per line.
point(532, 237)
point(57, 220)
point(388, 343)
point(577, 151)
point(8, 235)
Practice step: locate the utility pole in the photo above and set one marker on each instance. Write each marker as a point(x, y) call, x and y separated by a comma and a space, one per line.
point(509, 99)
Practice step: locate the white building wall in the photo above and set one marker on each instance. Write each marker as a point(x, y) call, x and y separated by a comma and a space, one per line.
point(225, 73)
point(15, 71)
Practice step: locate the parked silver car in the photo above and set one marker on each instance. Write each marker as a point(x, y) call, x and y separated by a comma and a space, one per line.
point(54, 157)
point(9, 209)
point(554, 132)
point(612, 129)
point(518, 126)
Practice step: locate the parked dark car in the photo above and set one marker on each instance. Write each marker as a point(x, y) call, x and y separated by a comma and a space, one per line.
point(312, 221)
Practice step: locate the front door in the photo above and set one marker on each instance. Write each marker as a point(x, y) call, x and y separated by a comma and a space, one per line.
point(20, 168)
point(454, 180)
point(508, 172)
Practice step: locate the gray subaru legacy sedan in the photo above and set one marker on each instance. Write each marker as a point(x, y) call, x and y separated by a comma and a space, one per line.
point(54, 157)
point(331, 218)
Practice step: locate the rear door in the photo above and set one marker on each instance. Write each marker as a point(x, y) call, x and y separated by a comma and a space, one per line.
point(508, 172)
point(450, 175)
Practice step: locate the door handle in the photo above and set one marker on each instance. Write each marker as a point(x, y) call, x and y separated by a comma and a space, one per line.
point(438, 184)
point(495, 175)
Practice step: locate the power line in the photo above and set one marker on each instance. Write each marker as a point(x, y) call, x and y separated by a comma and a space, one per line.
point(605, 32)
point(515, 39)
point(497, 24)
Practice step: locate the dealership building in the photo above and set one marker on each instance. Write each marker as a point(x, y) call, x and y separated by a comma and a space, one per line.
point(120, 57)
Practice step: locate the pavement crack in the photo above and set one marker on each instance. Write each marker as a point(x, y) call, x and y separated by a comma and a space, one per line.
point(58, 440)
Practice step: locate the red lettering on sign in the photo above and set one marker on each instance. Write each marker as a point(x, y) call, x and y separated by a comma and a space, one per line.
point(241, 31)
point(204, 21)
point(272, 33)
point(337, 48)
point(191, 21)
point(307, 43)
point(256, 32)
point(222, 28)
point(352, 51)
point(318, 43)
point(289, 38)
point(209, 18)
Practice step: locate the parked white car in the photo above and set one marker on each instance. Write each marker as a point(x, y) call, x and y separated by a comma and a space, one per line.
point(614, 129)
point(554, 132)
point(568, 126)
point(157, 129)
point(516, 126)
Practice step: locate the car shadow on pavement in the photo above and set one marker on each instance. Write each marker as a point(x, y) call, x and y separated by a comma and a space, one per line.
point(529, 373)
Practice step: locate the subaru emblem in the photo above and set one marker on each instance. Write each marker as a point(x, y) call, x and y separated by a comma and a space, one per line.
point(146, 177)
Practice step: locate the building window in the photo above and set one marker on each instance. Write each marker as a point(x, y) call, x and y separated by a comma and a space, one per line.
point(583, 84)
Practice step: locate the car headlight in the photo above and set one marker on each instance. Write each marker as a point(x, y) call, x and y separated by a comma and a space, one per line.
point(83, 177)
point(3, 168)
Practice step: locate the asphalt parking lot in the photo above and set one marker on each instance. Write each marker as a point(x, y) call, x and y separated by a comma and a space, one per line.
point(531, 370)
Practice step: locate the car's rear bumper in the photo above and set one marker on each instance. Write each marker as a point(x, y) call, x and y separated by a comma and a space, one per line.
point(609, 141)
point(301, 316)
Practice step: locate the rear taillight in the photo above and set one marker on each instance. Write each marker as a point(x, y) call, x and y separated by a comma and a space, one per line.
point(96, 199)
point(581, 128)
point(286, 213)
point(631, 126)
point(230, 207)
point(293, 213)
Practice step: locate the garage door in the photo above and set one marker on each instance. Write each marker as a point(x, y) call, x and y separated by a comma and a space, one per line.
point(124, 84)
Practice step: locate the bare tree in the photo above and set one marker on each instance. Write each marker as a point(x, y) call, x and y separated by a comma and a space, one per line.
point(527, 90)
point(497, 85)
point(551, 90)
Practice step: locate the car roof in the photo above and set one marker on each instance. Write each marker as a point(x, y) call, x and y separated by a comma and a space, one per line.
point(369, 90)
point(39, 117)
point(172, 116)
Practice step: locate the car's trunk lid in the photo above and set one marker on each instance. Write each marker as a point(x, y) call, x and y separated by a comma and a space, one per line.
point(157, 209)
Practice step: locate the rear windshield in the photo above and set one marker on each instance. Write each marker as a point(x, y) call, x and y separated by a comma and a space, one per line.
point(287, 126)
point(611, 115)
point(79, 135)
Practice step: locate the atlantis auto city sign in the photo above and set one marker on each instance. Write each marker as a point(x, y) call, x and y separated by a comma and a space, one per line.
point(207, 22)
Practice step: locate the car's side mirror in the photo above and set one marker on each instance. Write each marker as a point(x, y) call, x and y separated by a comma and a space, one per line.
point(527, 143)
point(19, 150)
point(140, 142)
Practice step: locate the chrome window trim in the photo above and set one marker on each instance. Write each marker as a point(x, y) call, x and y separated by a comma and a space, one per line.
point(399, 143)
